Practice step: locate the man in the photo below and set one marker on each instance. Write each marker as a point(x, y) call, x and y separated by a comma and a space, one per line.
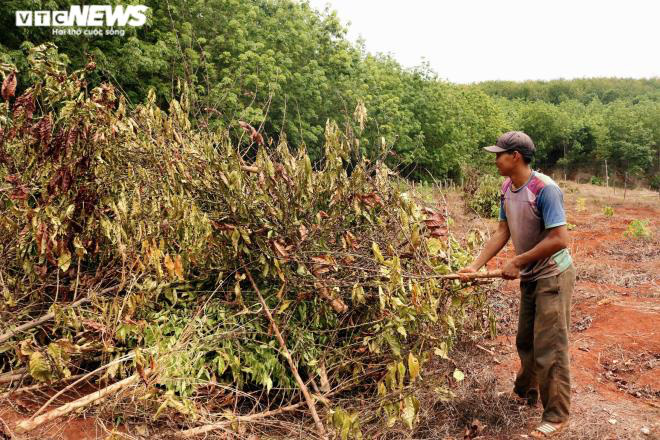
point(532, 214)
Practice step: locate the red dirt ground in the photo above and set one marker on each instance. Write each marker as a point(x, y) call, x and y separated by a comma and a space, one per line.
point(615, 340)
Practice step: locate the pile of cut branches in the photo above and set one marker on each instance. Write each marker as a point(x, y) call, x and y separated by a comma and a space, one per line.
point(150, 257)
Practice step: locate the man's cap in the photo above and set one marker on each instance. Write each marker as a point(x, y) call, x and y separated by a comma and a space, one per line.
point(512, 140)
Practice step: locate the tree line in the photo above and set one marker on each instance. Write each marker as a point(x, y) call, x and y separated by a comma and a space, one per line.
point(286, 68)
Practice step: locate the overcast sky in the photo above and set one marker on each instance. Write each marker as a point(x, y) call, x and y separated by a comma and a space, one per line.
point(478, 40)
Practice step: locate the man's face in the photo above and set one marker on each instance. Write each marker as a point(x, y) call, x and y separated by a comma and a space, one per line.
point(506, 161)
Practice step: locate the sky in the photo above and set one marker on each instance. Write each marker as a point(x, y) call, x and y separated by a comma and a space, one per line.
point(477, 40)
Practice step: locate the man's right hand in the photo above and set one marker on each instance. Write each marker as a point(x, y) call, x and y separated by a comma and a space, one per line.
point(466, 270)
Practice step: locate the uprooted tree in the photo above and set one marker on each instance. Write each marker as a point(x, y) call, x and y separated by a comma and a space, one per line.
point(149, 256)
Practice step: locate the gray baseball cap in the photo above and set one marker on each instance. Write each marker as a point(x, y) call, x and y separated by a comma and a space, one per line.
point(512, 140)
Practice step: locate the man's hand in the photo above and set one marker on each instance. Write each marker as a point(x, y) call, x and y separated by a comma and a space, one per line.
point(511, 270)
point(466, 270)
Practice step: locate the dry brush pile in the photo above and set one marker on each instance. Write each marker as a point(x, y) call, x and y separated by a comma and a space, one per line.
point(153, 259)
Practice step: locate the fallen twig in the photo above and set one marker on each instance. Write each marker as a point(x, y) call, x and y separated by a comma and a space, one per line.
point(249, 169)
point(491, 352)
point(188, 433)
point(287, 355)
point(36, 386)
point(13, 375)
point(31, 424)
point(80, 379)
point(45, 318)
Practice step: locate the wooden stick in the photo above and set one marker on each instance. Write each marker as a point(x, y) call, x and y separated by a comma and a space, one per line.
point(28, 425)
point(45, 318)
point(472, 275)
point(220, 425)
point(287, 355)
point(13, 375)
point(36, 386)
point(249, 169)
point(188, 433)
point(77, 381)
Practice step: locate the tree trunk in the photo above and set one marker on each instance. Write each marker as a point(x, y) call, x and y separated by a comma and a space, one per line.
point(625, 184)
point(564, 161)
point(607, 176)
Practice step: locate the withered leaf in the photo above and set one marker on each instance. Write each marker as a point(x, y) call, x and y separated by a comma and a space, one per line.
point(9, 86)
point(178, 267)
point(302, 230)
point(280, 249)
point(169, 265)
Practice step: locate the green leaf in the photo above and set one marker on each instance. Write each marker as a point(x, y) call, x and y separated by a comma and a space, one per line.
point(435, 246)
point(409, 411)
point(39, 367)
point(285, 305)
point(442, 350)
point(64, 261)
point(401, 373)
point(413, 366)
point(358, 294)
point(377, 253)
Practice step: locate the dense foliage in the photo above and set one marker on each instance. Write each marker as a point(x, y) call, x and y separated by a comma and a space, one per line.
point(286, 68)
point(170, 234)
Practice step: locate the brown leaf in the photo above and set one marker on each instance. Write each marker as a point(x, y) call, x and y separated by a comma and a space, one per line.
point(322, 264)
point(438, 232)
point(178, 267)
point(19, 193)
point(280, 250)
point(9, 86)
point(255, 136)
point(12, 178)
point(222, 226)
point(348, 260)
point(279, 169)
point(95, 326)
point(323, 260)
point(337, 304)
point(350, 240)
point(371, 199)
point(41, 270)
point(169, 265)
point(302, 230)
point(317, 271)
point(43, 130)
point(434, 223)
point(24, 104)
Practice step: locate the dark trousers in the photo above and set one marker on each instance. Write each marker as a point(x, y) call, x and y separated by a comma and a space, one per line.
point(542, 343)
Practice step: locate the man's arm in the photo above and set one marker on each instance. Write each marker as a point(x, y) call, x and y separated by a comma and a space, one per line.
point(556, 240)
point(492, 247)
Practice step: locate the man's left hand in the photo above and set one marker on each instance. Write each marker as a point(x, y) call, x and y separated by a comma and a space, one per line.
point(511, 271)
